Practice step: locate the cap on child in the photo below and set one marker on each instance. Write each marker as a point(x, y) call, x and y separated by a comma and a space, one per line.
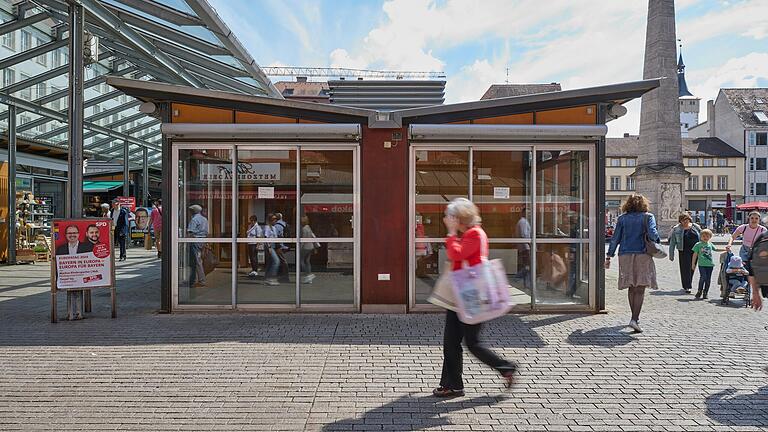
point(735, 261)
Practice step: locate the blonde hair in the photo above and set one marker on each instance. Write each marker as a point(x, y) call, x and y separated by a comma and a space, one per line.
point(635, 203)
point(465, 211)
point(706, 232)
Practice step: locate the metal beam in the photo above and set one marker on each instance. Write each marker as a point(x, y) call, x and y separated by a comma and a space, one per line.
point(102, 142)
point(110, 22)
point(88, 84)
point(17, 24)
point(95, 117)
point(11, 217)
point(31, 53)
point(126, 169)
point(75, 118)
point(180, 52)
point(45, 76)
point(165, 13)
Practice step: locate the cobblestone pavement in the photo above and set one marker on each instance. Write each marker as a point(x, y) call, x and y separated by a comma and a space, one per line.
point(697, 367)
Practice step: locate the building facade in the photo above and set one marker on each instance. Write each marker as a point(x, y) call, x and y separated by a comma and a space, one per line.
point(716, 171)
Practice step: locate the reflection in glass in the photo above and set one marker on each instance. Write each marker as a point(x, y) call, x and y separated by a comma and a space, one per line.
point(273, 281)
point(501, 189)
point(266, 186)
point(327, 273)
point(431, 260)
point(440, 177)
point(562, 204)
point(205, 273)
point(327, 191)
point(205, 190)
point(562, 273)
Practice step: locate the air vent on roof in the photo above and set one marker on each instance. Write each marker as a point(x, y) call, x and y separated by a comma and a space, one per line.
point(760, 101)
point(761, 117)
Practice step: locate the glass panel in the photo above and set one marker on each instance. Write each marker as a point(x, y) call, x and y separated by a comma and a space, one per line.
point(562, 274)
point(327, 273)
point(266, 274)
point(205, 273)
point(431, 259)
point(327, 192)
point(440, 177)
point(266, 185)
point(205, 193)
point(502, 190)
point(562, 202)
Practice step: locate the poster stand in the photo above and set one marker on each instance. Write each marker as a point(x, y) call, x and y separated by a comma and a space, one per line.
point(85, 291)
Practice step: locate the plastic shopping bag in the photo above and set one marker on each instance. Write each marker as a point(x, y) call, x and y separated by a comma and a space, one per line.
point(481, 292)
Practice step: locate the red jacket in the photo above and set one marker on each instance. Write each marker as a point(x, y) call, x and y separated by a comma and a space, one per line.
point(471, 247)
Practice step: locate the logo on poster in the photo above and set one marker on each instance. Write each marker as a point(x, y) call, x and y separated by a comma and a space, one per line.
point(246, 171)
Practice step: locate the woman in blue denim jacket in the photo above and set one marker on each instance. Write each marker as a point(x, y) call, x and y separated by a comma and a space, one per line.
point(637, 270)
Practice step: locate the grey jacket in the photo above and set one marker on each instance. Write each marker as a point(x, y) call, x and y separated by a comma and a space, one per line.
point(676, 238)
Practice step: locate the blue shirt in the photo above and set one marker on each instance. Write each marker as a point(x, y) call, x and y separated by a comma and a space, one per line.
point(629, 234)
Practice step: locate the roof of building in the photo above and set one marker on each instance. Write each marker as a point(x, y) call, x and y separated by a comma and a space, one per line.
point(748, 101)
point(303, 88)
point(387, 95)
point(506, 90)
point(629, 146)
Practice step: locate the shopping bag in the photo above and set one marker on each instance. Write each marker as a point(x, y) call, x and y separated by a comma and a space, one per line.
point(481, 291)
point(442, 294)
point(209, 259)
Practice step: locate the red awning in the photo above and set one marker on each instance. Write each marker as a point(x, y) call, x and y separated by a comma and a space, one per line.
point(757, 205)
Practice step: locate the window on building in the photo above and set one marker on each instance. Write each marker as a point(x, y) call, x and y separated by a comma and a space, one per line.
point(24, 119)
point(42, 59)
point(615, 183)
point(693, 162)
point(707, 182)
point(759, 100)
point(721, 162)
point(722, 182)
point(631, 162)
point(41, 128)
point(761, 116)
point(760, 164)
point(707, 162)
point(751, 164)
point(693, 183)
point(26, 40)
point(751, 188)
point(615, 162)
point(9, 41)
point(630, 183)
point(288, 92)
point(761, 138)
point(26, 92)
point(760, 188)
point(9, 77)
point(40, 90)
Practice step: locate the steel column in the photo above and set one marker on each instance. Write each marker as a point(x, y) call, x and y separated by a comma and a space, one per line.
point(75, 172)
point(126, 169)
point(11, 219)
point(145, 176)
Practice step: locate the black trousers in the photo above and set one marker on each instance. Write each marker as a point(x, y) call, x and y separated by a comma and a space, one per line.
point(120, 241)
point(282, 271)
point(253, 256)
point(455, 331)
point(685, 260)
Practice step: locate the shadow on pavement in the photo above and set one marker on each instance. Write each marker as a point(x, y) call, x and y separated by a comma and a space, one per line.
point(668, 293)
point(739, 410)
point(409, 413)
point(608, 337)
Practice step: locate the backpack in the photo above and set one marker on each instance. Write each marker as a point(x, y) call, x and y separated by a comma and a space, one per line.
point(759, 260)
point(287, 230)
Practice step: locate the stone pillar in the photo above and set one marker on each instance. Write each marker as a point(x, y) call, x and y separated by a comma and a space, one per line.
point(660, 174)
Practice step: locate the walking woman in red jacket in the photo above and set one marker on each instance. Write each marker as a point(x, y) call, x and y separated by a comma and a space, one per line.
point(462, 217)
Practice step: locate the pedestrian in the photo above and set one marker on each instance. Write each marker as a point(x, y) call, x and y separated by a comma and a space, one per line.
point(272, 261)
point(156, 219)
point(703, 255)
point(307, 250)
point(281, 230)
point(122, 227)
point(254, 231)
point(104, 212)
point(197, 228)
point(683, 237)
point(748, 233)
point(463, 218)
point(720, 221)
point(637, 271)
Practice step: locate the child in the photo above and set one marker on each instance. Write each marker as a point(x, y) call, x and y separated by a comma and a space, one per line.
point(737, 275)
point(702, 252)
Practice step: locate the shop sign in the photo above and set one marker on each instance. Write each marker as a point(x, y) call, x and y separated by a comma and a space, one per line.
point(246, 171)
point(612, 203)
point(23, 184)
point(501, 193)
point(127, 202)
point(718, 204)
point(266, 192)
point(328, 208)
point(82, 253)
point(243, 195)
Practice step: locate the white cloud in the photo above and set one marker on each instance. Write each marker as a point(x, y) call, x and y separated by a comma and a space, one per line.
point(748, 18)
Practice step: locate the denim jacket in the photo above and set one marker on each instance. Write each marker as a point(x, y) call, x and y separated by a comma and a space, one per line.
point(629, 233)
point(676, 238)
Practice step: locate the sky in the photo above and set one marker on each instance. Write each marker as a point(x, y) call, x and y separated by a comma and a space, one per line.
point(578, 43)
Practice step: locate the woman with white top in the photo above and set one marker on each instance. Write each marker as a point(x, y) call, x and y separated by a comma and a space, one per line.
point(254, 231)
point(307, 249)
point(748, 233)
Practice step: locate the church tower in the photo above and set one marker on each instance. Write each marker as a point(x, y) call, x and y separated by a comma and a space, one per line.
point(689, 104)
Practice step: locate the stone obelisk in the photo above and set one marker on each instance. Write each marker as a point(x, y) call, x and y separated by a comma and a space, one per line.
point(660, 174)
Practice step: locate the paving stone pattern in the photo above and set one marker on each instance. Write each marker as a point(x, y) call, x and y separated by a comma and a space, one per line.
point(697, 367)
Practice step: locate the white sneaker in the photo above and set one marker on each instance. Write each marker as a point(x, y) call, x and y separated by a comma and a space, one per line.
point(253, 274)
point(272, 282)
point(635, 326)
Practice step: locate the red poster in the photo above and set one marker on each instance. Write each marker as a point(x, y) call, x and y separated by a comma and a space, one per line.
point(82, 253)
point(127, 202)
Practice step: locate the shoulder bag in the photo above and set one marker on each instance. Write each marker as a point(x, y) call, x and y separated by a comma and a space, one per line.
point(651, 247)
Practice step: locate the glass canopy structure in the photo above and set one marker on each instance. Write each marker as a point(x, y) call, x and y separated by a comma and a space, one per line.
point(173, 41)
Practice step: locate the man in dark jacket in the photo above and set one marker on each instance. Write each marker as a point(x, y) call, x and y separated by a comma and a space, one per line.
point(73, 244)
point(122, 227)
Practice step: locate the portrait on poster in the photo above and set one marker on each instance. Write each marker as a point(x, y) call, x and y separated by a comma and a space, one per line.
point(82, 253)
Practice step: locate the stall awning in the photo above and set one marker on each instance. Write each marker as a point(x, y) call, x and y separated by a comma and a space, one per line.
point(100, 186)
point(483, 132)
point(279, 131)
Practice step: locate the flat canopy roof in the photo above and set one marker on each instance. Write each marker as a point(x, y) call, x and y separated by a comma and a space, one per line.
point(161, 92)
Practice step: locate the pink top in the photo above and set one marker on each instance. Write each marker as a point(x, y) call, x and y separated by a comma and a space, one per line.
point(748, 234)
point(156, 218)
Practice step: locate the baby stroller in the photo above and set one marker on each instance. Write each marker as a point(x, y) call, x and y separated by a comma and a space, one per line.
point(724, 279)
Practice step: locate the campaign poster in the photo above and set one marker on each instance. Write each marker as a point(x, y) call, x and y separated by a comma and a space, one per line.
point(127, 202)
point(142, 220)
point(82, 253)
